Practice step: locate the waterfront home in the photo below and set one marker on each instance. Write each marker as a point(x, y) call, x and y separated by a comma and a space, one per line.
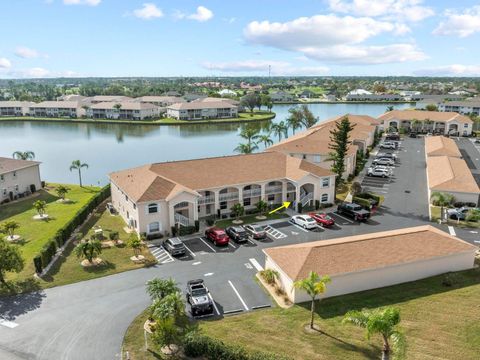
point(374, 97)
point(57, 109)
point(161, 101)
point(447, 123)
point(108, 98)
point(18, 178)
point(463, 107)
point(203, 109)
point(369, 261)
point(154, 197)
point(282, 97)
point(125, 110)
point(15, 108)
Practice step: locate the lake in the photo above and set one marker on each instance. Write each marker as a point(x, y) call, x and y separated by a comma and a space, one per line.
point(108, 148)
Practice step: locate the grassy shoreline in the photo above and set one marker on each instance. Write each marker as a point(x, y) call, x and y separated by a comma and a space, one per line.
point(243, 118)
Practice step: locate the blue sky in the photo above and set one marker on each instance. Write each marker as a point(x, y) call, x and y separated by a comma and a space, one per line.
point(50, 38)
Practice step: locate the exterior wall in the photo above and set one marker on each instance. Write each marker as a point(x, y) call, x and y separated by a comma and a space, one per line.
point(463, 128)
point(19, 181)
point(56, 112)
point(125, 207)
point(371, 279)
point(198, 114)
point(459, 197)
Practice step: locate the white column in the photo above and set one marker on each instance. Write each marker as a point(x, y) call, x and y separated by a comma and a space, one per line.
point(217, 201)
point(284, 191)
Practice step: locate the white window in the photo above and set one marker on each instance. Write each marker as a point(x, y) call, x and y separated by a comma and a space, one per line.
point(325, 182)
point(152, 208)
point(324, 198)
point(154, 227)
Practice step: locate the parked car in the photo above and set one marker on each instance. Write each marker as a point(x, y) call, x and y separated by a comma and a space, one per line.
point(354, 211)
point(383, 161)
point(392, 136)
point(237, 234)
point(198, 298)
point(256, 231)
point(217, 236)
point(413, 135)
point(378, 172)
point(387, 155)
point(174, 246)
point(383, 167)
point(322, 219)
point(388, 145)
point(458, 213)
point(305, 221)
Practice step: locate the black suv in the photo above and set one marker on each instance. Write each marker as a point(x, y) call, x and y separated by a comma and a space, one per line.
point(174, 246)
point(198, 298)
point(237, 234)
point(354, 211)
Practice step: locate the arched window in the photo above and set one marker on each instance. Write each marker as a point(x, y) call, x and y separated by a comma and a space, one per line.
point(152, 208)
point(154, 227)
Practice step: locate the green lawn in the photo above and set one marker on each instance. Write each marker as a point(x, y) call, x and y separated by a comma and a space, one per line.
point(117, 259)
point(36, 234)
point(250, 219)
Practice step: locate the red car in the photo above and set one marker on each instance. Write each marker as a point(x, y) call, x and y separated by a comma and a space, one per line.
point(217, 236)
point(323, 219)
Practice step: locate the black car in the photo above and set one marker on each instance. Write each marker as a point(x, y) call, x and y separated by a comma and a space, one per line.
point(174, 246)
point(354, 211)
point(392, 137)
point(413, 135)
point(237, 234)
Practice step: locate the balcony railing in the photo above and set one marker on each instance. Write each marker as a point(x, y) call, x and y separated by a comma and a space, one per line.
point(228, 196)
point(206, 200)
point(273, 189)
point(182, 220)
point(252, 193)
point(306, 199)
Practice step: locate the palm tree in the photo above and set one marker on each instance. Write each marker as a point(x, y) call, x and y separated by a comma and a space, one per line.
point(135, 243)
point(390, 108)
point(441, 199)
point(89, 249)
point(313, 285)
point(159, 288)
point(9, 228)
point(270, 276)
point(24, 155)
point(237, 210)
point(249, 134)
point(280, 130)
point(294, 121)
point(61, 191)
point(170, 306)
point(265, 140)
point(78, 165)
point(246, 148)
point(40, 206)
point(384, 322)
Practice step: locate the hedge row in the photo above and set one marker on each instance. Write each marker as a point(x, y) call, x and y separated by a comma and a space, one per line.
point(200, 345)
point(63, 234)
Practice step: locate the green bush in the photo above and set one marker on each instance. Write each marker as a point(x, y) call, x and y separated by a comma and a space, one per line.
point(197, 225)
point(378, 198)
point(186, 230)
point(363, 202)
point(210, 221)
point(37, 261)
point(114, 235)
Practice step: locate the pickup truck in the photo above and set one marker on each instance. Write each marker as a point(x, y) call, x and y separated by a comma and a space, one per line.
point(198, 298)
point(354, 211)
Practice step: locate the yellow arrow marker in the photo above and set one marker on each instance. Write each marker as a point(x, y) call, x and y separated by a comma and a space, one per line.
point(285, 205)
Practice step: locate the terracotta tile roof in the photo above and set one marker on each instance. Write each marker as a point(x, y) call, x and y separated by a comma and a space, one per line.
point(364, 252)
point(160, 180)
point(218, 104)
point(9, 164)
point(446, 173)
point(110, 98)
point(5, 104)
point(357, 119)
point(421, 115)
point(126, 105)
point(162, 99)
point(441, 146)
point(57, 104)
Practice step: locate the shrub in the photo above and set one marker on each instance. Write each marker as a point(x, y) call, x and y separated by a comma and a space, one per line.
point(317, 204)
point(186, 230)
point(326, 205)
point(174, 231)
point(300, 207)
point(37, 261)
point(197, 225)
point(363, 202)
point(114, 235)
point(450, 279)
point(269, 275)
point(457, 204)
point(210, 221)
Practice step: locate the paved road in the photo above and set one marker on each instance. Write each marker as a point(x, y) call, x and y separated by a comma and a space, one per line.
point(87, 320)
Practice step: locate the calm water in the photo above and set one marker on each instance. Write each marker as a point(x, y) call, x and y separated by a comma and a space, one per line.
point(108, 148)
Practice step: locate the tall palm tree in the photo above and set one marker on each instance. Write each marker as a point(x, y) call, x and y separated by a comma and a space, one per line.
point(246, 148)
point(294, 121)
point(89, 249)
point(441, 199)
point(313, 285)
point(265, 140)
point(249, 134)
point(24, 155)
point(280, 129)
point(384, 322)
point(78, 165)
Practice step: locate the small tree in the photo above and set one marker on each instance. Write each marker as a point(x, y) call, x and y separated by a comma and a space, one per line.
point(431, 107)
point(167, 334)
point(10, 260)
point(61, 191)
point(40, 206)
point(135, 243)
point(473, 215)
point(308, 119)
point(262, 207)
point(251, 101)
point(89, 249)
point(237, 210)
point(384, 322)
point(9, 228)
point(269, 275)
point(159, 288)
point(441, 199)
point(339, 144)
point(313, 285)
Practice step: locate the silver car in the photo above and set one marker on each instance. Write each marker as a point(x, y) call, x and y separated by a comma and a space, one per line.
point(384, 161)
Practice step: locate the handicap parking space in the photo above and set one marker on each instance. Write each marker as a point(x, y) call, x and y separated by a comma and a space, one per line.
point(273, 232)
point(162, 255)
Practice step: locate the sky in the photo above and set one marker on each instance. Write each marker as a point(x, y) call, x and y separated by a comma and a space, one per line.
point(120, 38)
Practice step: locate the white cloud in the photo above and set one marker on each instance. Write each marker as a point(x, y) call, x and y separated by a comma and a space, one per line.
point(148, 11)
point(5, 63)
point(36, 72)
point(450, 70)
point(82, 2)
point(400, 10)
point(26, 53)
point(203, 14)
point(314, 37)
point(460, 24)
point(261, 67)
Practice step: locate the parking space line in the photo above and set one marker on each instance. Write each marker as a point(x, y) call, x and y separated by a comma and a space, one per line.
point(343, 217)
point(250, 241)
point(256, 264)
point(211, 248)
point(275, 233)
point(261, 306)
point(161, 254)
point(451, 230)
point(232, 311)
point(230, 244)
point(214, 305)
point(190, 251)
point(237, 293)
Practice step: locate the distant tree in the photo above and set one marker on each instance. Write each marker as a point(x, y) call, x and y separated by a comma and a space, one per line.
point(356, 188)
point(11, 260)
point(135, 244)
point(262, 207)
point(61, 191)
point(269, 105)
point(379, 88)
point(383, 322)
point(280, 129)
point(24, 155)
point(431, 107)
point(237, 210)
point(313, 285)
point(339, 144)
point(89, 249)
point(250, 101)
point(265, 100)
point(249, 133)
point(9, 228)
point(265, 140)
point(40, 206)
point(295, 119)
point(308, 119)
point(78, 165)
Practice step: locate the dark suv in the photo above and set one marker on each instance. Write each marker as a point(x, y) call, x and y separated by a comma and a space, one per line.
point(198, 298)
point(237, 234)
point(174, 246)
point(354, 211)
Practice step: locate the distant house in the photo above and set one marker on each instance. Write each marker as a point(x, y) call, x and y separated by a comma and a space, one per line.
point(161, 101)
point(15, 108)
point(307, 94)
point(227, 92)
point(203, 109)
point(18, 178)
point(282, 96)
point(463, 107)
point(108, 98)
point(58, 109)
point(374, 97)
point(126, 110)
point(172, 93)
point(193, 97)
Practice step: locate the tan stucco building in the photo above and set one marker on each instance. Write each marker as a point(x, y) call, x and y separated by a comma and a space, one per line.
point(18, 178)
point(370, 261)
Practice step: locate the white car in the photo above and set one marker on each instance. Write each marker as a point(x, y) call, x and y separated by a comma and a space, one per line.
point(378, 172)
point(388, 145)
point(305, 221)
point(384, 161)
